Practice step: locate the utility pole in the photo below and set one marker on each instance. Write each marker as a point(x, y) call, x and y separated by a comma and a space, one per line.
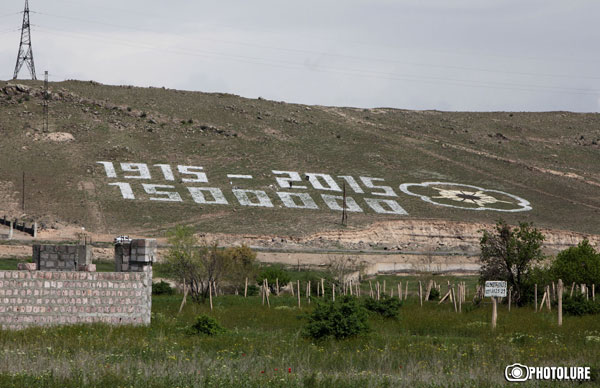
point(45, 101)
point(344, 212)
point(23, 194)
point(25, 55)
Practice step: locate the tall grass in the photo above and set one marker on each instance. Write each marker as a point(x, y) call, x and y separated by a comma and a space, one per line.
point(263, 347)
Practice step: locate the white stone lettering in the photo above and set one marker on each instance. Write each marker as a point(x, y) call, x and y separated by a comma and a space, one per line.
point(393, 207)
point(335, 202)
point(109, 168)
point(387, 190)
point(353, 183)
point(169, 196)
point(166, 171)
point(125, 188)
point(200, 176)
point(306, 201)
point(313, 178)
point(239, 176)
point(140, 168)
point(262, 199)
point(217, 194)
point(287, 183)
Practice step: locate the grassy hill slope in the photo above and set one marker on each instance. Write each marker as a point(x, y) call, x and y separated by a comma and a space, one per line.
point(550, 159)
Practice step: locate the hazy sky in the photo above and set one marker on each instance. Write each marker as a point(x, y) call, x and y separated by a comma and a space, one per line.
point(414, 54)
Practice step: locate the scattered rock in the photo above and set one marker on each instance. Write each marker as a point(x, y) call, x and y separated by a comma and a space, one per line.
point(59, 137)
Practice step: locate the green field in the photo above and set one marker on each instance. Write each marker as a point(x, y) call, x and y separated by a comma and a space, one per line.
point(549, 159)
point(429, 346)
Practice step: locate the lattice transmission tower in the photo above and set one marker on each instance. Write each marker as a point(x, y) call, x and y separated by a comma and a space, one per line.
point(25, 52)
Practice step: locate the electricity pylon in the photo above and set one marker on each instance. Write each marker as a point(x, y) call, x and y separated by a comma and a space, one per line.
point(25, 51)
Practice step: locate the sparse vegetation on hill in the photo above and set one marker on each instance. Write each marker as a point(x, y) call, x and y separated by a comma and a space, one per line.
point(549, 159)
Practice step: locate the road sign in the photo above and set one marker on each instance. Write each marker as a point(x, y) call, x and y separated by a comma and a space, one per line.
point(495, 289)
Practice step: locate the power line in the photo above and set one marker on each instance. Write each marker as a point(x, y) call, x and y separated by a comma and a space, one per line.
point(354, 57)
point(346, 71)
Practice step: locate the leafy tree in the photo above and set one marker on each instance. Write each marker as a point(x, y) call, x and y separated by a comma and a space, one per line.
point(274, 273)
point(509, 254)
point(580, 264)
point(182, 260)
point(200, 265)
point(241, 265)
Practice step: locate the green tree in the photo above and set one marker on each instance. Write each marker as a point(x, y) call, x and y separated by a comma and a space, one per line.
point(580, 264)
point(241, 265)
point(199, 265)
point(182, 259)
point(274, 273)
point(509, 254)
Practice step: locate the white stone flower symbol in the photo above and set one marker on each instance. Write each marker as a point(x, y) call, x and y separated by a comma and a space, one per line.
point(484, 199)
point(478, 197)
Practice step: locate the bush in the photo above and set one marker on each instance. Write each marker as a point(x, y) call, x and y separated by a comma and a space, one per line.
point(340, 319)
point(252, 290)
point(206, 325)
point(434, 294)
point(386, 307)
point(162, 288)
point(577, 305)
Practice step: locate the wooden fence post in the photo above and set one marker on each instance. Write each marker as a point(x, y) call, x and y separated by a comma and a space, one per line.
point(371, 289)
point(421, 293)
point(277, 286)
point(428, 291)
point(454, 296)
point(291, 284)
point(535, 298)
point(542, 302)
point(560, 292)
point(400, 291)
point(548, 298)
point(267, 291)
point(333, 291)
point(246, 289)
point(494, 313)
point(406, 290)
point(185, 292)
point(210, 295)
point(322, 287)
point(383, 286)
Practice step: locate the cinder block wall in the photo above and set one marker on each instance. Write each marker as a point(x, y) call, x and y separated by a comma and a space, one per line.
point(42, 298)
point(61, 257)
point(135, 255)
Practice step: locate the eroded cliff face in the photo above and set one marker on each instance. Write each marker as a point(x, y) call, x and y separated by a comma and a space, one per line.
point(404, 236)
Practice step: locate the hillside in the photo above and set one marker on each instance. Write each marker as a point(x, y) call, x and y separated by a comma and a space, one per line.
point(540, 167)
